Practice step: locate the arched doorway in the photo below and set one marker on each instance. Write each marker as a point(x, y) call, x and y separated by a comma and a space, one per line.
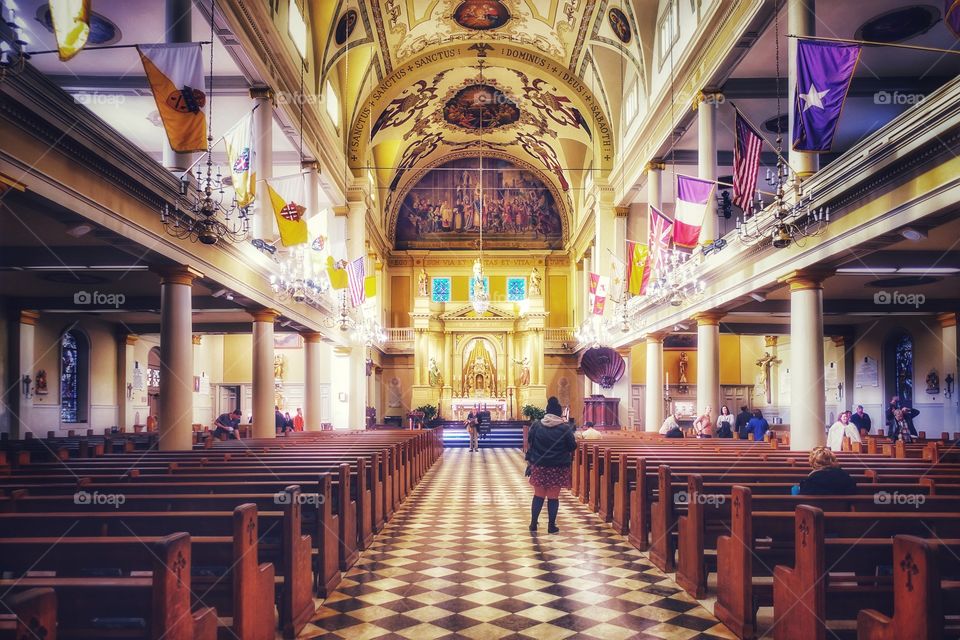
point(74, 377)
point(898, 367)
point(153, 382)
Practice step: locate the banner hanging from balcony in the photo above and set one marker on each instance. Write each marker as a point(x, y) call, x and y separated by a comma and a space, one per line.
point(638, 272)
point(71, 26)
point(175, 74)
point(239, 141)
point(598, 292)
point(288, 197)
point(824, 72)
point(693, 196)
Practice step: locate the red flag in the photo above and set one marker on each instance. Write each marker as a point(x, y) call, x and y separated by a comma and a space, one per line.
point(746, 163)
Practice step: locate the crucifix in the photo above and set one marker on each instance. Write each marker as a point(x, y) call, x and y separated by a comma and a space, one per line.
point(765, 363)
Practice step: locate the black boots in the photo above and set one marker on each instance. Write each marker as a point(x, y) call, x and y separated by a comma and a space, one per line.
point(553, 505)
point(535, 509)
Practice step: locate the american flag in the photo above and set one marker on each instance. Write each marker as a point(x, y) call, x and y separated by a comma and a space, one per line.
point(356, 273)
point(746, 163)
point(661, 234)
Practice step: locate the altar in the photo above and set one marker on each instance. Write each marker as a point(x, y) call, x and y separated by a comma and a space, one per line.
point(461, 407)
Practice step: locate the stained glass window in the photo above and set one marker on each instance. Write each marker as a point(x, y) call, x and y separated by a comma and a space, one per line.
point(516, 289)
point(440, 289)
point(69, 378)
point(486, 284)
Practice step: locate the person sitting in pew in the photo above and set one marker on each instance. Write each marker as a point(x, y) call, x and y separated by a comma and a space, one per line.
point(827, 477)
point(901, 428)
point(589, 433)
point(227, 425)
point(671, 426)
point(758, 425)
point(842, 427)
point(743, 418)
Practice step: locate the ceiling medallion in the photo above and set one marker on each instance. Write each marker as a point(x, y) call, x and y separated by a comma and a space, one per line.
point(481, 15)
point(345, 26)
point(480, 105)
point(619, 24)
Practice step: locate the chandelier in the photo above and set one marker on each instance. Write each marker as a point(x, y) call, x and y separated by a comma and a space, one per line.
point(204, 213)
point(676, 280)
point(783, 220)
point(13, 53)
point(481, 297)
point(364, 330)
point(296, 279)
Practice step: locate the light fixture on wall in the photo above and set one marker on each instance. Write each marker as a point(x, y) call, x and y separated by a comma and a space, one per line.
point(481, 297)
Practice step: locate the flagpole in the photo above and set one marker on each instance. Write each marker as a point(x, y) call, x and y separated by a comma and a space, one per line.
point(756, 130)
point(722, 184)
point(874, 43)
point(110, 46)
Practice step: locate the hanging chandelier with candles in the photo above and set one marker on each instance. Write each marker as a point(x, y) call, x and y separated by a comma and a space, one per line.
point(676, 281)
point(296, 279)
point(481, 297)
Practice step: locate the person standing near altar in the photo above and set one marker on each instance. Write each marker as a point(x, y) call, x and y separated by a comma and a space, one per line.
point(473, 431)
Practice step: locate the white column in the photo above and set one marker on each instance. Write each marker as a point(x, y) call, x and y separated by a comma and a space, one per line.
point(313, 377)
point(653, 394)
point(707, 158)
point(176, 358)
point(654, 183)
point(357, 397)
point(264, 389)
point(807, 396)
point(801, 21)
point(178, 27)
point(263, 222)
point(948, 325)
point(22, 420)
point(708, 361)
point(125, 356)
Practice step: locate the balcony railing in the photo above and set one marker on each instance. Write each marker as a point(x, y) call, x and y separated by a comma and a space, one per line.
point(397, 336)
point(559, 338)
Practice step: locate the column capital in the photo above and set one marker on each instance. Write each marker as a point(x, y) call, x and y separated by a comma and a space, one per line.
point(311, 337)
point(947, 320)
point(342, 351)
point(196, 339)
point(622, 212)
point(309, 165)
point(708, 318)
point(656, 337)
point(708, 96)
point(261, 92)
point(341, 210)
point(176, 274)
point(265, 315)
point(770, 341)
point(130, 339)
point(657, 164)
point(29, 317)
point(804, 279)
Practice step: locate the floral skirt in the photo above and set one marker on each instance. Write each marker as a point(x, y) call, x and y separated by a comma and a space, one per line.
point(551, 477)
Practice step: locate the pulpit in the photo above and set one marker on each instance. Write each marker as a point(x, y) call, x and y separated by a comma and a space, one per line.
point(602, 411)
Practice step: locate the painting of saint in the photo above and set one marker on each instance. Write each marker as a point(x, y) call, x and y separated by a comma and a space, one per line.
point(480, 106)
point(481, 15)
point(447, 205)
point(619, 24)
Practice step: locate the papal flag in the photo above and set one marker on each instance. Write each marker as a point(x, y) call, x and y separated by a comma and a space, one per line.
point(337, 272)
point(638, 272)
point(288, 197)
point(239, 141)
point(71, 25)
point(824, 72)
point(175, 74)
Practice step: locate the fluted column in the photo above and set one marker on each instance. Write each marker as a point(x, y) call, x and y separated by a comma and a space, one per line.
point(313, 380)
point(801, 21)
point(263, 222)
point(708, 361)
point(176, 358)
point(807, 396)
point(264, 388)
point(653, 393)
point(948, 328)
point(178, 28)
point(706, 106)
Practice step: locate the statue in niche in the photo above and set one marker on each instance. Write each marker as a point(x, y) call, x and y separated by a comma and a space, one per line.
point(536, 282)
point(765, 363)
point(682, 368)
point(279, 367)
point(479, 373)
point(524, 371)
point(933, 383)
point(434, 375)
point(423, 283)
point(40, 383)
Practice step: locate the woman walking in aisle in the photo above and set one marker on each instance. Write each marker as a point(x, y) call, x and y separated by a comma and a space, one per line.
point(550, 445)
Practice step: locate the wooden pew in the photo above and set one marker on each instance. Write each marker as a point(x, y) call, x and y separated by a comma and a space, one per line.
point(29, 614)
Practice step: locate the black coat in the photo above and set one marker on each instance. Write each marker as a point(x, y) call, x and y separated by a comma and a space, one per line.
point(550, 446)
point(742, 419)
point(832, 481)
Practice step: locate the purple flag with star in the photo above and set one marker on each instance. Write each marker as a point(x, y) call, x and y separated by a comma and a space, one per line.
point(824, 71)
point(951, 16)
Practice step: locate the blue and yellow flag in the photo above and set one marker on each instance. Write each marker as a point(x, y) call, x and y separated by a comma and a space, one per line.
point(240, 152)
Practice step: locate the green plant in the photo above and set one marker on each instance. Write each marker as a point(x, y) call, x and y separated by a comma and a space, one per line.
point(429, 411)
point(532, 412)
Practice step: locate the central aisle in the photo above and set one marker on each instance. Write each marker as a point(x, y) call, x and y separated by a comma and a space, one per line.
point(457, 560)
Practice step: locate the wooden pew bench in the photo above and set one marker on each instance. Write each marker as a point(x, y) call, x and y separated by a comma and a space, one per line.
point(29, 614)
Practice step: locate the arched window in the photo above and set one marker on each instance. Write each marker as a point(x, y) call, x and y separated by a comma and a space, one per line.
point(74, 374)
point(898, 361)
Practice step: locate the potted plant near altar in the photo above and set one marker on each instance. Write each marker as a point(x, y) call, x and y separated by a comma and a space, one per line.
point(532, 412)
point(429, 412)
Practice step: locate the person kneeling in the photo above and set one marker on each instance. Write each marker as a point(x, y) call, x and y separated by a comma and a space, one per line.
point(226, 426)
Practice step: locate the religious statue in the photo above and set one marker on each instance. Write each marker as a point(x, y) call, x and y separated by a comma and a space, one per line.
point(478, 270)
point(279, 366)
point(479, 373)
point(765, 363)
point(536, 280)
point(435, 377)
point(40, 383)
point(682, 366)
point(933, 383)
point(524, 371)
point(423, 284)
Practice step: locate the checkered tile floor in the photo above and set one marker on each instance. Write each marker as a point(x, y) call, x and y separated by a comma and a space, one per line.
point(458, 561)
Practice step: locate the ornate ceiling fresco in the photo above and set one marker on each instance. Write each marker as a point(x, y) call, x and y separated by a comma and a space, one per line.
point(535, 82)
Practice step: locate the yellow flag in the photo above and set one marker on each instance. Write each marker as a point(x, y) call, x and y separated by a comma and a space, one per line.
point(71, 25)
point(288, 200)
point(338, 277)
point(175, 74)
point(370, 286)
point(637, 273)
point(239, 141)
